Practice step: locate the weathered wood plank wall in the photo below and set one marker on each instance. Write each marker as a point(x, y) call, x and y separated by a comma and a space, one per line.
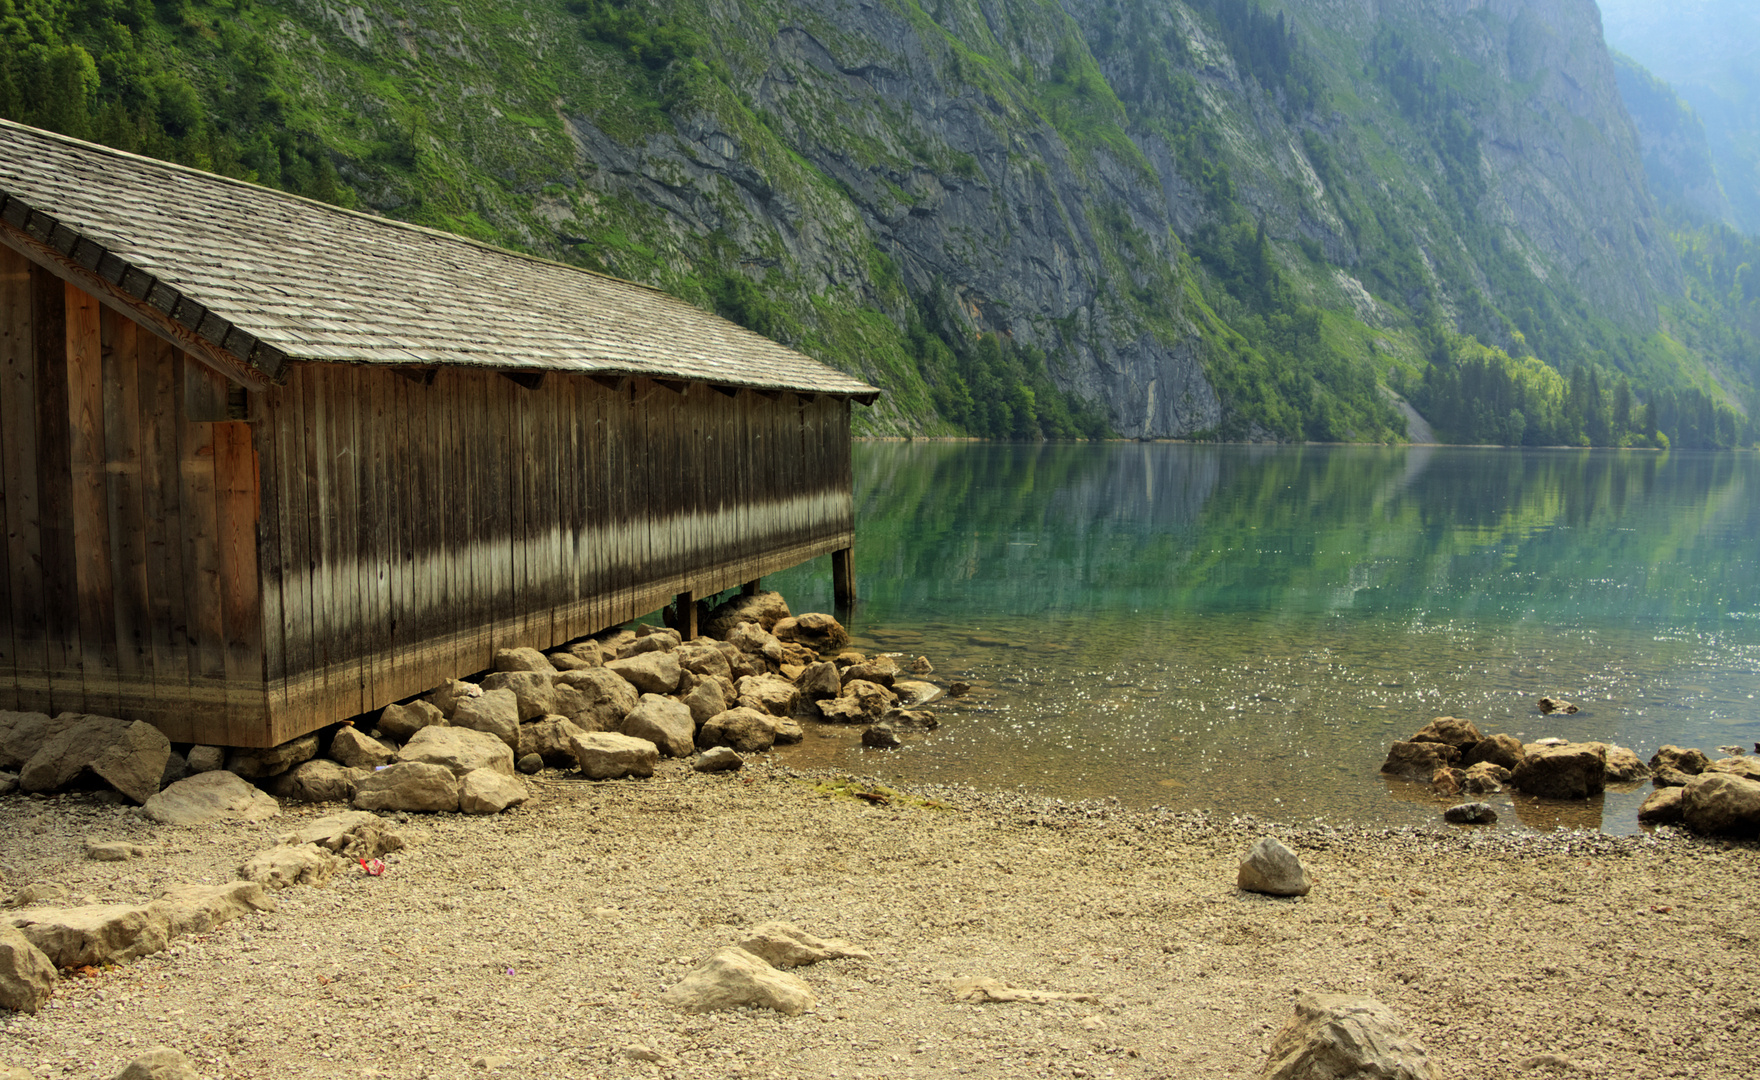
point(414, 525)
point(129, 506)
point(365, 533)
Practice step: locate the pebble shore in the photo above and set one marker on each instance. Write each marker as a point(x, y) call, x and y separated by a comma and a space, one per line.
point(536, 943)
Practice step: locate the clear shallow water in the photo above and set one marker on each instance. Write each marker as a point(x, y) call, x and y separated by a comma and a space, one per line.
point(1245, 629)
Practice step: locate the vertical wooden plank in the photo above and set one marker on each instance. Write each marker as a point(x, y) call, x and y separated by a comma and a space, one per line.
point(520, 468)
point(19, 527)
point(382, 538)
point(201, 556)
point(341, 385)
point(55, 495)
point(325, 628)
point(160, 390)
point(502, 491)
point(238, 504)
point(90, 502)
point(269, 423)
point(365, 516)
point(128, 532)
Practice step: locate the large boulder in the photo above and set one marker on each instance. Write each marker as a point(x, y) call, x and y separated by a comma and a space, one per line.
point(881, 669)
point(521, 659)
point(1485, 778)
point(1663, 807)
point(23, 733)
point(128, 755)
point(1271, 868)
point(860, 702)
point(764, 608)
point(358, 750)
point(609, 755)
point(548, 738)
point(1689, 761)
point(536, 692)
point(1500, 749)
point(819, 681)
point(318, 781)
point(286, 865)
point(1621, 765)
point(735, 979)
point(400, 722)
point(666, 723)
point(662, 639)
point(1463, 735)
point(605, 698)
point(210, 797)
point(489, 792)
point(160, 1063)
point(1571, 771)
point(744, 729)
point(1735, 766)
point(421, 786)
point(703, 658)
point(753, 640)
point(27, 977)
point(769, 694)
point(651, 673)
point(448, 694)
point(99, 934)
point(1721, 802)
point(705, 700)
point(494, 712)
point(254, 764)
point(1338, 1037)
point(1418, 761)
point(816, 630)
point(460, 750)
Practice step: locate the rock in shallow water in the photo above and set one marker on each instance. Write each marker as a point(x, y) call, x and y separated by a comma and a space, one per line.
point(1473, 813)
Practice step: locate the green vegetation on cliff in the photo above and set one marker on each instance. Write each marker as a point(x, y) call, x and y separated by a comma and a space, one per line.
point(1027, 219)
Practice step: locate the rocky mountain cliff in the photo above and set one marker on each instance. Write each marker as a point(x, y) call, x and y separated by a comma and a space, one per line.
point(1022, 218)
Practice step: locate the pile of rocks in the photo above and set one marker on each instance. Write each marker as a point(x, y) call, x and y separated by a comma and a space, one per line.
point(1453, 757)
point(610, 705)
point(1707, 796)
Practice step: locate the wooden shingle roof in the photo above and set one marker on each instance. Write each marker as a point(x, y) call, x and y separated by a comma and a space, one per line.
point(268, 277)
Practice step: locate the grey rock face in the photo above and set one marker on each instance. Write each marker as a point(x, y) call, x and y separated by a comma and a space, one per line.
point(548, 739)
point(285, 865)
point(718, 759)
point(1273, 869)
point(445, 698)
point(522, 659)
point(22, 734)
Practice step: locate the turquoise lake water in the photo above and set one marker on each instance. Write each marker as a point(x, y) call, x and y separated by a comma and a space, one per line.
point(1245, 629)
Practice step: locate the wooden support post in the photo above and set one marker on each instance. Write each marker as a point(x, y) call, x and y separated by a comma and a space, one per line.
point(752, 587)
point(843, 577)
point(687, 615)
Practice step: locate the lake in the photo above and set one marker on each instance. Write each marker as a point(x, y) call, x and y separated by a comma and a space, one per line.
point(1244, 629)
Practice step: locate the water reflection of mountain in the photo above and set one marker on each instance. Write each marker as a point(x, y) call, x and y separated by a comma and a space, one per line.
point(995, 529)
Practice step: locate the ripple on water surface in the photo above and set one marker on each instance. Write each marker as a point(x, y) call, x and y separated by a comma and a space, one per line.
point(1246, 629)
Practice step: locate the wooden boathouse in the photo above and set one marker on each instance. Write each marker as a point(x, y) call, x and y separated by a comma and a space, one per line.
point(266, 464)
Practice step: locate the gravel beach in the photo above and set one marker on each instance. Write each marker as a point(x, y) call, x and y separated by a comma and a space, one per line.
point(535, 943)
